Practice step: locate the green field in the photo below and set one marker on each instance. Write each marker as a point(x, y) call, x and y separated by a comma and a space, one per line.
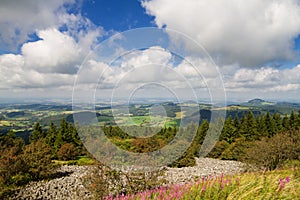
point(155, 121)
point(22, 117)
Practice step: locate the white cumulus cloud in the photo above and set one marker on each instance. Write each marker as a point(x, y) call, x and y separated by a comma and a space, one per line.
point(250, 33)
point(19, 19)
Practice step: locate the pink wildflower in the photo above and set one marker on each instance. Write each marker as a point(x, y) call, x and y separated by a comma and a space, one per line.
point(222, 186)
point(281, 184)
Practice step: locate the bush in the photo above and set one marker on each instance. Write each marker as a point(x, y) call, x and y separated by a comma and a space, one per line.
point(67, 152)
point(37, 158)
point(271, 153)
point(218, 149)
point(84, 160)
point(104, 181)
point(236, 150)
point(10, 165)
point(21, 179)
point(184, 161)
point(20, 164)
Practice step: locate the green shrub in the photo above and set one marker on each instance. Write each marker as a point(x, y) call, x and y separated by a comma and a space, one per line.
point(236, 150)
point(20, 178)
point(184, 161)
point(84, 160)
point(218, 149)
point(37, 158)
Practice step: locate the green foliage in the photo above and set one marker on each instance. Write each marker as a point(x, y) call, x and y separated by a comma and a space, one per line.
point(278, 123)
point(84, 160)
point(285, 123)
point(37, 133)
point(37, 157)
point(236, 136)
point(218, 149)
point(251, 129)
point(230, 130)
point(248, 127)
point(269, 126)
point(21, 164)
point(51, 135)
point(80, 160)
point(56, 138)
point(188, 158)
point(236, 150)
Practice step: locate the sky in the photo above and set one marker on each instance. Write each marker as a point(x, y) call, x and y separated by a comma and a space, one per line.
point(232, 49)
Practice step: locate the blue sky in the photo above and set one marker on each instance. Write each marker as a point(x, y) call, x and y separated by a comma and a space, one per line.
point(117, 15)
point(255, 46)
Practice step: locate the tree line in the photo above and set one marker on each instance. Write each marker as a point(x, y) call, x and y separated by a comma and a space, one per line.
point(266, 140)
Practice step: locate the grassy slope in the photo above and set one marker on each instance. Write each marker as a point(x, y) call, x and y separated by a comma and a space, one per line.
point(279, 184)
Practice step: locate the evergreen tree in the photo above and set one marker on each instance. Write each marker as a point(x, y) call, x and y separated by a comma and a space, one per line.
point(252, 133)
point(74, 135)
point(63, 129)
point(260, 125)
point(286, 123)
point(37, 133)
point(51, 137)
point(201, 132)
point(269, 129)
point(248, 128)
point(298, 121)
point(67, 136)
point(236, 122)
point(293, 120)
point(277, 122)
point(229, 132)
point(59, 140)
point(243, 126)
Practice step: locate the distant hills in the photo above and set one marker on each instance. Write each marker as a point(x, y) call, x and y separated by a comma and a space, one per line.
point(256, 101)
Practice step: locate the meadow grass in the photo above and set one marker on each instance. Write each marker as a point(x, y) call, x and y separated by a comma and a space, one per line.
point(81, 160)
point(278, 184)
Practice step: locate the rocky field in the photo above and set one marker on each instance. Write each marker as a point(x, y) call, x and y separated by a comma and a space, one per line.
point(70, 186)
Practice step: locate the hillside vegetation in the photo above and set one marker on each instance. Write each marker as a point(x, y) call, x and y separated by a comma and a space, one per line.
point(264, 141)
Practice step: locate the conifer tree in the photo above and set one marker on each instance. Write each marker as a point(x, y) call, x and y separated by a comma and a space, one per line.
point(277, 122)
point(269, 129)
point(260, 125)
point(286, 123)
point(252, 133)
point(236, 122)
point(59, 140)
point(51, 135)
point(243, 129)
point(229, 132)
point(293, 120)
point(37, 133)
